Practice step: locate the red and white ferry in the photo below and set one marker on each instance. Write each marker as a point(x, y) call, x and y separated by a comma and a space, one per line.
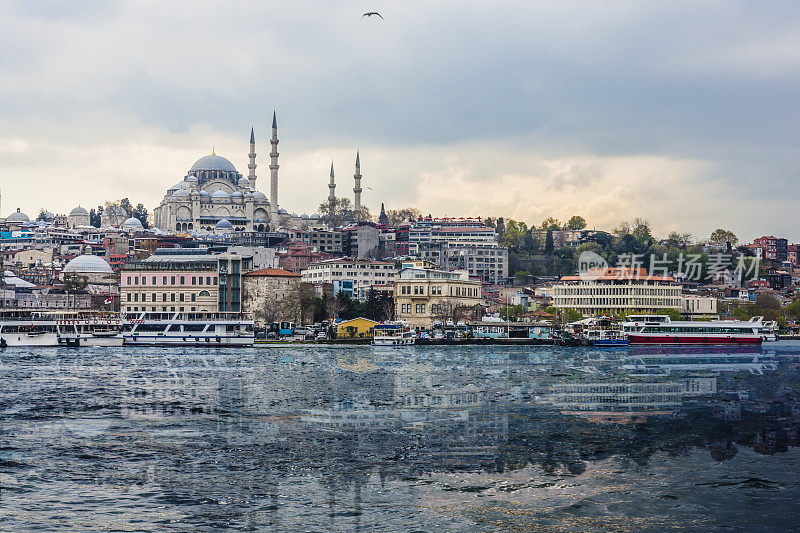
point(659, 329)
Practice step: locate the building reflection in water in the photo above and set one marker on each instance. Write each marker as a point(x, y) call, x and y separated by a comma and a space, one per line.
point(274, 424)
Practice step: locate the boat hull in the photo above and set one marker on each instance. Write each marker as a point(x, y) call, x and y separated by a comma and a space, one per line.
point(637, 338)
point(393, 342)
point(170, 340)
point(23, 339)
point(609, 342)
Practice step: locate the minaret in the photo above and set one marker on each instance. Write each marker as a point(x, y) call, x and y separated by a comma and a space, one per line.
point(251, 166)
point(357, 188)
point(273, 170)
point(331, 196)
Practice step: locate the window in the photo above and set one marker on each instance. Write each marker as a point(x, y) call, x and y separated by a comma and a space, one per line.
point(129, 280)
point(154, 282)
point(205, 293)
point(172, 280)
point(172, 297)
point(183, 279)
point(180, 297)
point(200, 278)
point(135, 280)
point(164, 281)
point(194, 280)
point(129, 297)
point(194, 297)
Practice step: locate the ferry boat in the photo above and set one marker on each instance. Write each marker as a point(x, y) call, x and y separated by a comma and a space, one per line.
point(188, 329)
point(602, 337)
point(660, 329)
point(25, 327)
point(393, 334)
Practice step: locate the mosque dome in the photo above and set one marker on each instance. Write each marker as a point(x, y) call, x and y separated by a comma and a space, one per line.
point(304, 216)
point(219, 193)
point(282, 211)
point(315, 216)
point(88, 264)
point(213, 162)
point(224, 224)
point(19, 216)
point(236, 194)
point(293, 215)
point(244, 182)
point(258, 195)
point(180, 193)
point(132, 223)
point(179, 185)
point(203, 193)
point(78, 211)
point(191, 179)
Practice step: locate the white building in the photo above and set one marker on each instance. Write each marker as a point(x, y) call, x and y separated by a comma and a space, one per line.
point(617, 291)
point(363, 273)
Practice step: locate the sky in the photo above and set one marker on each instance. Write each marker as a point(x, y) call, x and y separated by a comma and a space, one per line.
point(683, 113)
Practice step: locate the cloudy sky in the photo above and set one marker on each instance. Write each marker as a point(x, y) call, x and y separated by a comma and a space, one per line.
point(685, 113)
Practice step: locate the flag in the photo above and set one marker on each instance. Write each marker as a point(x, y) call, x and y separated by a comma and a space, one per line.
point(109, 300)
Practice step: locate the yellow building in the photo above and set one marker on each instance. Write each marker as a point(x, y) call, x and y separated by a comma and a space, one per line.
point(357, 328)
point(424, 295)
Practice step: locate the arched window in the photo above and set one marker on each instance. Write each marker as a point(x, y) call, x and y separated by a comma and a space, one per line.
point(205, 293)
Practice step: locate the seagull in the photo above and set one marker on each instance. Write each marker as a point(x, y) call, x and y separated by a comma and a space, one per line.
point(370, 13)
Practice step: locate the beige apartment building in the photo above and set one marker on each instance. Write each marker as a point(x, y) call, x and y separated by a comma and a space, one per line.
point(424, 295)
point(617, 291)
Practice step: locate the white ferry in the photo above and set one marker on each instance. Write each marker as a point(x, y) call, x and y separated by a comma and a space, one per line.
point(25, 327)
point(393, 334)
point(188, 329)
point(660, 329)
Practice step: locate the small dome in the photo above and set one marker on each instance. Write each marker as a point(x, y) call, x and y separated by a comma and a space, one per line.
point(88, 264)
point(203, 193)
point(244, 182)
point(282, 211)
point(236, 194)
point(315, 216)
point(180, 193)
point(258, 195)
point(191, 179)
point(219, 193)
point(213, 162)
point(78, 211)
point(19, 216)
point(132, 223)
point(294, 215)
point(179, 185)
point(304, 216)
point(224, 224)
point(248, 195)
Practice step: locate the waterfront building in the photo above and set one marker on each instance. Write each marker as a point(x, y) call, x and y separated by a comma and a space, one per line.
point(267, 294)
point(183, 280)
point(616, 291)
point(356, 328)
point(363, 273)
point(424, 295)
point(296, 256)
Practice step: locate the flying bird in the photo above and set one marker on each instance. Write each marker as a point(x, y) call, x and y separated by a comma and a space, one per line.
point(370, 13)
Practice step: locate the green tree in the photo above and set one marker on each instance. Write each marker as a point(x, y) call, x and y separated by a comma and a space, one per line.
point(550, 224)
point(401, 216)
point(794, 310)
point(548, 243)
point(576, 222)
point(721, 236)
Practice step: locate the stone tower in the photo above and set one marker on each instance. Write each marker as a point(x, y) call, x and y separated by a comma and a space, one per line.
point(251, 166)
point(357, 188)
point(273, 172)
point(331, 195)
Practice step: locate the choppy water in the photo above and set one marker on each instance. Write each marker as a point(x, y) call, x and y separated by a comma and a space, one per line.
point(415, 439)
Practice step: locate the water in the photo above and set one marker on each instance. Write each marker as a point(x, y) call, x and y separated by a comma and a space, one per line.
point(439, 439)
